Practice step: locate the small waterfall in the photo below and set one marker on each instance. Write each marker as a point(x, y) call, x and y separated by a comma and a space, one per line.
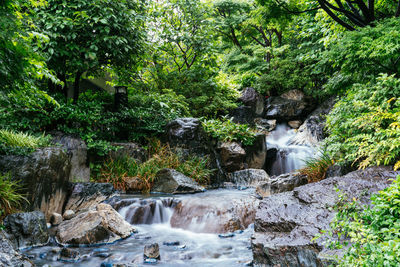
point(286, 157)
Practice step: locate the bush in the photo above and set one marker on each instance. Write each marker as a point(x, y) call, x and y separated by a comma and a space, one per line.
point(373, 231)
point(21, 143)
point(10, 198)
point(364, 126)
point(118, 171)
point(226, 130)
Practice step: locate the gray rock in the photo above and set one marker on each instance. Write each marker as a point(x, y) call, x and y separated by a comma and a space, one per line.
point(256, 153)
point(27, 229)
point(251, 98)
point(173, 182)
point(249, 177)
point(287, 109)
point(69, 255)
point(87, 195)
point(77, 150)
point(295, 124)
point(265, 125)
point(9, 256)
point(286, 182)
point(188, 133)
point(56, 218)
point(232, 156)
point(263, 190)
point(243, 115)
point(152, 251)
point(100, 226)
point(68, 215)
point(293, 95)
point(286, 223)
point(131, 150)
point(44, 177)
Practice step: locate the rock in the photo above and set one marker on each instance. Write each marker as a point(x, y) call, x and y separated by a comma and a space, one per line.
point(265, 125)
point(134, 185)
point(68, 215)
point(84, 196)
point(251, 98)
point(131, 150)
point(9, 256)
point(228, 235)
point(287, 109)
point(172, 243)
point(256, 153)
point(295, 124)
point(286, 223)
point(249, 177)
point(152, 251)
point(293, 95)
point(232, 156)
point(56, 219)
point(173, 182)
point(77, 150)
point(311, 132)
point(44, 177)
point(243, 115)
point(69, 255)
point(27, 229)
point(264, 189)
point(286, 182)
point(339, 170)
point(188, 133)
point(101, 226)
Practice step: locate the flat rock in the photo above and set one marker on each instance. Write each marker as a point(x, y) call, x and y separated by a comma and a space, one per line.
point(100, 226)
point(249, 177)
point(173, 182)
point(286, 182)
point(287, 222)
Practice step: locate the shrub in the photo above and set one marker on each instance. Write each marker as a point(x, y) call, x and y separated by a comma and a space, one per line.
point(364, 126)
point(316, 168)
point(21, 143)
point(373, 231)
point(10, 198)
point(227, 130)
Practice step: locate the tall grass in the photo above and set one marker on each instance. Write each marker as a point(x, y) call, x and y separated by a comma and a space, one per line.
point(21, 143)
point(10, 197)
point(119, 171)
point(316, 168)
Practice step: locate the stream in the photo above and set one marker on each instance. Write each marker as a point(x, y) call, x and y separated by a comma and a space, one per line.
point(213, 228)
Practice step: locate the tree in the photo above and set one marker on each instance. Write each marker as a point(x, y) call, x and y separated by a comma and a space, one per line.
point(86, 36)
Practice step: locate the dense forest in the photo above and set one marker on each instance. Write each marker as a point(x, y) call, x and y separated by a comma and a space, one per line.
point(168, 59)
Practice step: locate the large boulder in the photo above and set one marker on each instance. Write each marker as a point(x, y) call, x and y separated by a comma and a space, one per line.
point(286, 182)
point(256, 153)
point(9, 256)
point(311, 132)
point(286, 223)
point(249, 177)
point(251, 98)
point(27, 229)
point(77, 150)
point(233, 156)
point(44, 176)
point(173, 182)
point(264, 125)
point(287, 108)
point(131, 150)
point(243, 115)
point(102, 225)
point(84, 196)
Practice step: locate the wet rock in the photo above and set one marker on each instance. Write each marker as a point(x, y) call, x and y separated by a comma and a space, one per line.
point(174, 182)
point(187, 132)
point(152, 251)
point(87, 195)
point(134, 185)
point(77, 150)
point(172, 243)
point(27, 229)
point(311, 132)
point(243, 115)
point(44, 177)
point(131, 150)
point(232, 156)
point(295, 124)
point(100, 226)
point(286, 182)
point(339, 170)
point(294, 95)
point(228, 235)
point(286, 223)
point(249, 177)
point(68, 215)
point(69, 255)
point(256, 153)
point(56, 219)
point(251, 98)
point(287, 109)
point(9, 256)
point(150, 261)
point(265, 125)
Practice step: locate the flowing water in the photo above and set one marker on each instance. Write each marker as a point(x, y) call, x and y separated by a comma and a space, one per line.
point(288, 157)
point(193, 221)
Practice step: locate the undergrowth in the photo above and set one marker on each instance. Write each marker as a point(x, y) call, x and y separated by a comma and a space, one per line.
point(21, 143)
point(316, 168)
point(10, 196)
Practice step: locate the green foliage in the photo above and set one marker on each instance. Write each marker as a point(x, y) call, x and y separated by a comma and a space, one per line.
point(364, 126)
point(21, 143)
point(227, 130)
point(10, 196)
point(316, 168)
point(373, 231)
point(120, 170)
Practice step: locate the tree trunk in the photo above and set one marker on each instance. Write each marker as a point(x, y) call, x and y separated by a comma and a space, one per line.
point(76, 86)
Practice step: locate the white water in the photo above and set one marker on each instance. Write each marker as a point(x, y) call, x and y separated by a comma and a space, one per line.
point(289, 157)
